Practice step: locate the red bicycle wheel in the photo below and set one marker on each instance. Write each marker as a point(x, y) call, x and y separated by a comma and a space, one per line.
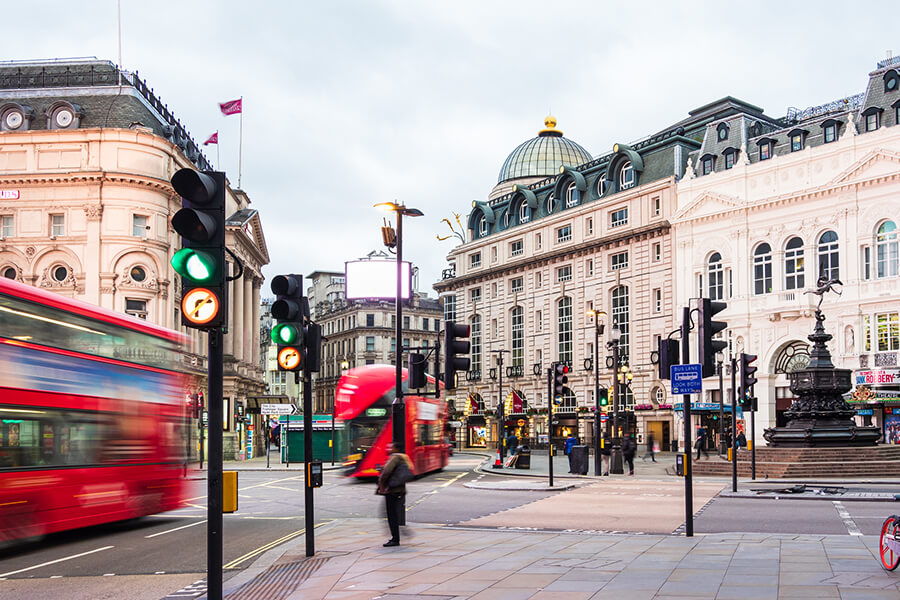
point(890, 558)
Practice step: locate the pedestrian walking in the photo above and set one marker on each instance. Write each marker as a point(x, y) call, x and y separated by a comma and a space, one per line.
point(570, 442)
point(650, 443)
point(700, 444)
point(605, 453)
point(629, 448)
point(392, 485)
point(740, 441)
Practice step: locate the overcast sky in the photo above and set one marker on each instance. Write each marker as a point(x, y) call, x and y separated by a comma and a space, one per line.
point(347, 104)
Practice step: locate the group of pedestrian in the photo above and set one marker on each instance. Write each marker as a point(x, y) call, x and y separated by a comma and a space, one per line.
point(629, 449)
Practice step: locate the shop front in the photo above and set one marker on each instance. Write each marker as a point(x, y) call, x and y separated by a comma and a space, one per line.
point(657, 421)
point(706, 415)
point(476, 430)
point(876, 399)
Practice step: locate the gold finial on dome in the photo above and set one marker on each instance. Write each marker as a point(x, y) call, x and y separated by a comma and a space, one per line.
point(550, 125)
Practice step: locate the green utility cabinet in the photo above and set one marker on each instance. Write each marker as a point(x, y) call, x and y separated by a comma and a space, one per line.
point(292, 441)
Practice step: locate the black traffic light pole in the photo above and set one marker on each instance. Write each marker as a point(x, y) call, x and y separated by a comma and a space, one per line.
point(214, 538)
point(752, 434)
point(734, 443)
point(688, 474)
point(501, 409)
point(551, 372)
point(307, 458)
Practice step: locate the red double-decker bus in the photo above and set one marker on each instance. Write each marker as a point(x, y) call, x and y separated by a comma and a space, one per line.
point(92, 421)
point(363, 401)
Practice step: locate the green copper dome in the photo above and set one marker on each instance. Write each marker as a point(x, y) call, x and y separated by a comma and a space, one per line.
point(543, 155)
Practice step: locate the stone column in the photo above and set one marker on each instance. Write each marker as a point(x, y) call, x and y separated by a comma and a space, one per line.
point(228, 340)
point(92, 260)
point(248, 318)
point(237, 315)
point(257, 282)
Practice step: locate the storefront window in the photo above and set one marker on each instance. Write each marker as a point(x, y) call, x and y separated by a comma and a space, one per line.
point(888, 332)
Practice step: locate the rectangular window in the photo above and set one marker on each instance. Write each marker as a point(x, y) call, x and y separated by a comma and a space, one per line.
point(516, 248)
point(565, 338)
point(425, 323)
point(9, 226)
point(494, 290)
point(564, 234)
point(872, 122)
point(517, 329)
point(657, 206)
point(393, 345)
point(796, 142)
point(57, 225)
point(475, 260)
point(437, 325)
point(139, 226)
point(765, 151)
point(406, 321)
point(657, 251)
point(516, 285)
point(707, 165)
point(538, 279)
point(538, 321)
point(729, 160)
point(564, 273)
point(829, 133)
point(494, 329)
point(867, 333)
point(138, 308)
point(618, 261)
point(475, 295)
point(589, 226)
point(493, 254)
point(888, 331)
point(657, 300)
point(475, 349)
point(370, 343)
point(867, 262)
point(370, 320)
point(618, 217)
point(589, 267)
point(450, 307)
point(537, 241)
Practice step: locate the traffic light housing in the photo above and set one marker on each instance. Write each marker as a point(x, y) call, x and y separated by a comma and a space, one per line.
point(455, 346)
point(559, 380)
point(748, 380)
point(604, 396)
point(415, 367)
point(668, 355)
point(288, 310)
point(201, 260)
point(707, 329)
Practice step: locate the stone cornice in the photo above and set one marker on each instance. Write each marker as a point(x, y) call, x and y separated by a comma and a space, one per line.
point(614, 241)
point(88, 177)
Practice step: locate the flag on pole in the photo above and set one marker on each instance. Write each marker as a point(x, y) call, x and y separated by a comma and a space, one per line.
point(232, 107)
point(213, 139)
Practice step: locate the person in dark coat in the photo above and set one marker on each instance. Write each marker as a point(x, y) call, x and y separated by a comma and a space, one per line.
point(701, 442)
point(650, 442)
point(570, 442)
point(629, 448)
point(393, 496)
point(605, 453)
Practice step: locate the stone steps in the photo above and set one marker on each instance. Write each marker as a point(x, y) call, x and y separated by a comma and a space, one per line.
point(779, 463)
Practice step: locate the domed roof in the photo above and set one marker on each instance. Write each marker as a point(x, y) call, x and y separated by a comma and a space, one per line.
point(543, 155)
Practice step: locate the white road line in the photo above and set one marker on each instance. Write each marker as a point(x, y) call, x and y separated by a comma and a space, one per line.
point(852, 529)
point(176, 529)
point(58, 560)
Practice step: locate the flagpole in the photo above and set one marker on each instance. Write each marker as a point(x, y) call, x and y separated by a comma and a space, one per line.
point(218, 160)
point(240, 141)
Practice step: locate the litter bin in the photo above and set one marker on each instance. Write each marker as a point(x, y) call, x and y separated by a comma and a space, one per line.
point(523, 457)
point(674, 445)
point(579, 456)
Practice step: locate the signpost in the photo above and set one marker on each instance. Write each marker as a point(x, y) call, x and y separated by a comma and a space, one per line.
point(278, 409)
point(686, 379)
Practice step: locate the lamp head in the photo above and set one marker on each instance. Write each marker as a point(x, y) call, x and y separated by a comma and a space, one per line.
point(615, 333)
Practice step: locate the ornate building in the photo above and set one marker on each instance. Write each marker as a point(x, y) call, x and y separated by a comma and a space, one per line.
point(86, 154)
point(772, 204)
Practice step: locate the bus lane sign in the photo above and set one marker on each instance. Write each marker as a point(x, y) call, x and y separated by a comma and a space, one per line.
point(686, 379)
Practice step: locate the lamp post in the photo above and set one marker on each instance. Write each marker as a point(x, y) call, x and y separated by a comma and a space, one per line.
point(598, 315)
point(615, 467)
point(719, 368)
point(501, 409)
point(398, 408)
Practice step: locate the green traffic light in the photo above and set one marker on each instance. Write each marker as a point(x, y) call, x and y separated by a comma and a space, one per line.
point(285, 334)
point(198, 266)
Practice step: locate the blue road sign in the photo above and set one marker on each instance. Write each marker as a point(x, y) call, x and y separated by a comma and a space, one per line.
point(686, 379)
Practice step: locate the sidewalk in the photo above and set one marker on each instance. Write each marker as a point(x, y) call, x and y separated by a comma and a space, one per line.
point(444, 562)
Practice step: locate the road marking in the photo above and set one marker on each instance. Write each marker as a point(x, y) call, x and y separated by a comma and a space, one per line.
point(454, 479)
point(253, 553)
point(852, 529)
point(250, 487)
point(56, 577)
point(176, 529)
point(109, 574)
point(58, 560)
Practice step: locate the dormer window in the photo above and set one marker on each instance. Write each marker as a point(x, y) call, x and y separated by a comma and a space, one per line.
point(707, 164)
point(571, 195)
point(63, 115)
point(722, 132)
point(872, 116)
point(602, 185)
point(730, 156)
point(550, 202)
point(505, 219)
point(765, 148)
point(891, 81)
point(482, 226)
point(798, 139)
point(626, 176)
point(830, 130)
point(524, 212)
point(15, 117)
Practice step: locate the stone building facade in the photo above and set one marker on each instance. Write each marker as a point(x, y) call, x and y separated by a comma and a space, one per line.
point(86, 154)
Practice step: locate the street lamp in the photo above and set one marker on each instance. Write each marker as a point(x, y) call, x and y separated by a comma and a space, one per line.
point(599, 316)
point(398, 408)
point(615, 467)
point(720, 357)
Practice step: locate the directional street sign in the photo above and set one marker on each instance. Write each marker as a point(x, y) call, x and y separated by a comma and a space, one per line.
point(278, 409)
point(686, 379)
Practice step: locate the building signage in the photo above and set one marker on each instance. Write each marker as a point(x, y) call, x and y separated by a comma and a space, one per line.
point(679, 406)
point(878, 376)
point(864, 411)
point(376, 412)
point(686, 379)
point(9, 194)
point(277, 409)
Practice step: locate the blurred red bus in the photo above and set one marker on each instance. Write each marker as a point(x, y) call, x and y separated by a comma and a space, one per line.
point(91, 415)
point(363, 401)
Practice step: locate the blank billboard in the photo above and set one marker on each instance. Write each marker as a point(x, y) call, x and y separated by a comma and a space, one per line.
point(376, 279)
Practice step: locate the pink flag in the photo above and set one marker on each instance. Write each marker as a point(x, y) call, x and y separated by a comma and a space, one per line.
point(213, 139)
point(230, 108)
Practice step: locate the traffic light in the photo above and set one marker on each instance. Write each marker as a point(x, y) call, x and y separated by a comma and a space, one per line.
point(604, 397)
point(455, 345)
point(559, 380)
point(415, 366)
point(668, 356)
point(707, 329)
point(312, 344)
point(201, 260)
point(748, 380)
point(288, 312)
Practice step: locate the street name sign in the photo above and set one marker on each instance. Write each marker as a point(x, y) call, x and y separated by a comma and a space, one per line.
point(277, 409)
point(686, 379)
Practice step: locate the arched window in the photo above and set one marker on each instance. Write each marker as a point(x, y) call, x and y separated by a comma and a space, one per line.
point(626, 176)
point(794, 266)
point(659, 396)
point(517, 320)
point(886, 250)
point(564, 337)
point(602, 184)
point(714, 276)
point(762, 269)
point(506, 219)
point(620, 318)
point(571, 195)
point(524, 212)
point(551, 200)
point(475, 349)
point(722, 132)
point(482, 226)
point(828, 255)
